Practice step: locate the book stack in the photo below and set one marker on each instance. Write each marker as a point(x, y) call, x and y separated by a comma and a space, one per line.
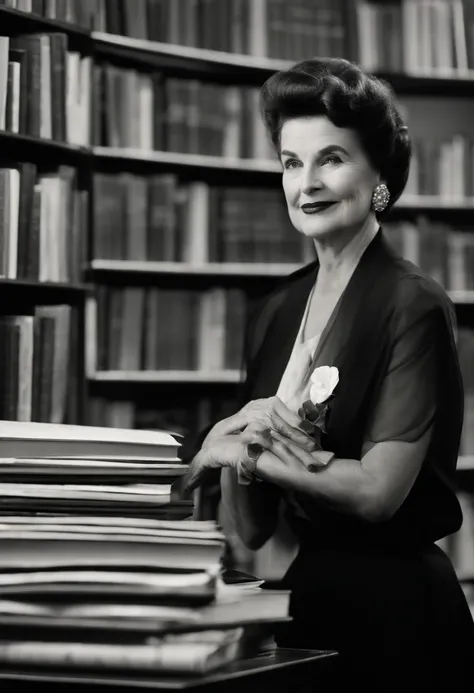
point(89, 470)
point(101, 567)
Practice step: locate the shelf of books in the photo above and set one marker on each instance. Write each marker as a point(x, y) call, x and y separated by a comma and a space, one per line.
point(134, 158)
point(44, 140)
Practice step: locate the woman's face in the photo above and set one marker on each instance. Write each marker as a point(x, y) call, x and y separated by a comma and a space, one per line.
point(327, 178)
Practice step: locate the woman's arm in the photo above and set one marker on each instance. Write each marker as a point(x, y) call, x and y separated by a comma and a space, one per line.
point(372, 488)
point(253, 509)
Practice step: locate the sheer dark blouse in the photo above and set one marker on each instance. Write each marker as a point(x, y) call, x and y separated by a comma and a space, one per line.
point(392, 338)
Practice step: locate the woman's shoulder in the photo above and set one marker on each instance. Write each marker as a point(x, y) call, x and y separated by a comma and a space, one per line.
point(416, 293)
point(292, 279)
point(263, 310)
point(282, 286)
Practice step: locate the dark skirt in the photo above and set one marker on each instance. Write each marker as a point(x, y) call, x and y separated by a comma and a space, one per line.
point(398, 617)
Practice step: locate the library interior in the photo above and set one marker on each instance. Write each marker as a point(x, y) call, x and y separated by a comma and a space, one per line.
point(131, 143)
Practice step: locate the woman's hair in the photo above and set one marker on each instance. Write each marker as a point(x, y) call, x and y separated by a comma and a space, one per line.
point(350, 98)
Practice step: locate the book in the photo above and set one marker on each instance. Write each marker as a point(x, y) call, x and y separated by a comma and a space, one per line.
point(231, 608)
point(58, 471)
point(196, 527)
point(54, 549)
point(32, 439)
point(105, 526)
point(174, 587)
point(171, 654)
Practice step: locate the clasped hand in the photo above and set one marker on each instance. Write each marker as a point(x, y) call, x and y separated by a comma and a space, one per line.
point(264, 422)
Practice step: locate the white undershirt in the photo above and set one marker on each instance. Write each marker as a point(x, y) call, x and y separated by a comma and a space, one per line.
point(295, 385)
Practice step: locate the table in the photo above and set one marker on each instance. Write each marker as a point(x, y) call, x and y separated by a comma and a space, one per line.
point(298, 671)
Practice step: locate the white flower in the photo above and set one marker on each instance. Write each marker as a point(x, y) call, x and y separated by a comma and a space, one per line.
point(324, 379)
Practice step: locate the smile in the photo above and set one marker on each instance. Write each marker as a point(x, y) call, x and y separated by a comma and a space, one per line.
point(316, 207)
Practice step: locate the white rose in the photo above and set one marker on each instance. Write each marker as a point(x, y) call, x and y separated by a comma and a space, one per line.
point(324, 379)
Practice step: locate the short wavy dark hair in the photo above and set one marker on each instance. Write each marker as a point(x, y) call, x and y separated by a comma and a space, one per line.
point(350, 98)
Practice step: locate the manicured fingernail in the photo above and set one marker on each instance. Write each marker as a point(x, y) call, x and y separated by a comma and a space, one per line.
point(307, 426)
point(315, 467)
point(254, 450)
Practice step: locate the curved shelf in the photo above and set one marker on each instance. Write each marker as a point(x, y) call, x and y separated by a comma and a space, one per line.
point(203, 377)
point(18, 21)
point(196, 161)
point(447, 82)
point(186, 58)
point(230, 269)
point(201, 60)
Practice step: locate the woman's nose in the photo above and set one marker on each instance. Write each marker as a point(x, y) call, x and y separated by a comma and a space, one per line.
point(311, 180)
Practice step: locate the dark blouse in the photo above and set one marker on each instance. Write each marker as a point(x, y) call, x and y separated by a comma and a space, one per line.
point(392, 338)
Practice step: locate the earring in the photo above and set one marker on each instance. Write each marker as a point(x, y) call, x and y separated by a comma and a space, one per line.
point(380, 197)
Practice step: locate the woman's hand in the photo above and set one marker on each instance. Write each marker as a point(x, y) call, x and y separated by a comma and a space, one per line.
point(224, 451)
point(270, 413)
point(288, 459)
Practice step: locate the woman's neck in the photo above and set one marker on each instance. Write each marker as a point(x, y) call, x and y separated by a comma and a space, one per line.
point(339, 256)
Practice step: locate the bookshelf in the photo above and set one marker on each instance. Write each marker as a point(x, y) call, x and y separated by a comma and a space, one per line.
point(211, 269)
point(188, 161)
point(44, 188)
point(38, 293)
point(180, 72)
point(19, 21)
point(26, 147)
point(183, 376)
point(187, 58)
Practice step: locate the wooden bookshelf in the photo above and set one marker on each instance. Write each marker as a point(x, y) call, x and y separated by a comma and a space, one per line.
point(435, 203)
point(183, 377)
point(186, 59)
point(230, 269)
point(200, 61)
point(431, 83)
point(17, 21)
point(25, 148)
point(188, 161)
point(43, 293)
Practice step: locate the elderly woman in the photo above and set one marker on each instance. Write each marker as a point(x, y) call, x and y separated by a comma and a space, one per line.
point(365, 471)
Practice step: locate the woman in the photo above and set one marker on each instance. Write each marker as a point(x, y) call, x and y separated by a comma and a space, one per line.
point(368, 579)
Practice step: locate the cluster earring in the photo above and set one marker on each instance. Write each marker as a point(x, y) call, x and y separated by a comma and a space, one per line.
point(380, 197)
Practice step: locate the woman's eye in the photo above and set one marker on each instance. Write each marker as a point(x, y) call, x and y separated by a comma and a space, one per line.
point(291, 163)
point(333, 159)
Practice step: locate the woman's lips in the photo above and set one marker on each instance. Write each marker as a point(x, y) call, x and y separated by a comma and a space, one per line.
point(315, 207)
